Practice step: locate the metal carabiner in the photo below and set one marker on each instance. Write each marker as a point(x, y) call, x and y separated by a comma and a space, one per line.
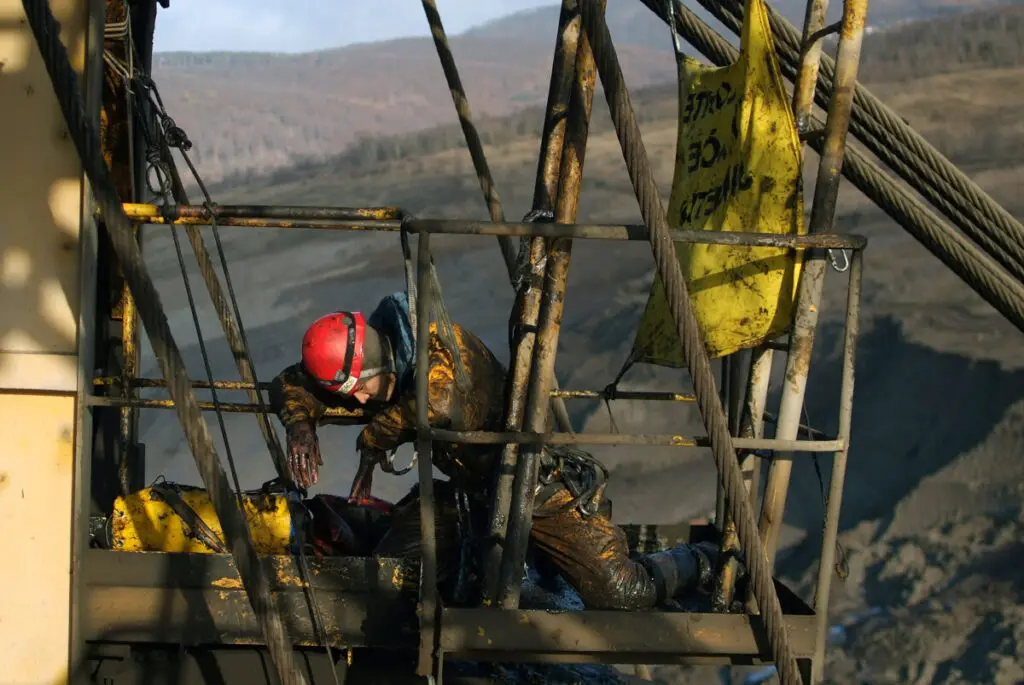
point(832, 260)
point(388, 464)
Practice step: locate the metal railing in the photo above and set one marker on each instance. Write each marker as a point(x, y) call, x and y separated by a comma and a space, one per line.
point(559, 173)
point(426, 434)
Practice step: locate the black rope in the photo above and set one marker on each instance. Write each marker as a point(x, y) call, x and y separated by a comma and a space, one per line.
point(231, 323)
point(155, 158)
point(206, 364)
point(177, 136)
point(119, 231)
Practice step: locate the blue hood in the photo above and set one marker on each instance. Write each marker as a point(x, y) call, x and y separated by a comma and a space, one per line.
point(391, 318)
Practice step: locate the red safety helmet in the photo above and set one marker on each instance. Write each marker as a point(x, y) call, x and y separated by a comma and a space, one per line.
point(332, 350)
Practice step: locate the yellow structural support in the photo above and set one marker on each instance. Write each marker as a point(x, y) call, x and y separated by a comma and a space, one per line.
point(46, 261)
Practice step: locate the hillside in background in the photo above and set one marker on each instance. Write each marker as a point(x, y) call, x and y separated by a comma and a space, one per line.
point(250, 112)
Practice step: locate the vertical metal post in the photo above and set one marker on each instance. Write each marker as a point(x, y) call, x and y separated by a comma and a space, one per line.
point(563, 74)
point(761, 363)
point(753, 427)
point(733, 366)
point(563, 71)
point(129, 369)
point(737, 363)
point(807, 78)
point(429, 662)
point(129, 467)
point(801, 341)
point(542, 372)
point(483, 172)
point(835, 494)
point(723, 394)
point(757, 399)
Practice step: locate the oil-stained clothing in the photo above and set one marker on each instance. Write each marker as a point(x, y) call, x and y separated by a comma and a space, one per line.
point(589, 550)
point(297, 398)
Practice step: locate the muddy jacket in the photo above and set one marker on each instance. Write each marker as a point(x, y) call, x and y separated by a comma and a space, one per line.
point(296, 397)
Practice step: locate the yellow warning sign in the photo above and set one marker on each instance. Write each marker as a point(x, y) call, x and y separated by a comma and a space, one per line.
point(737, 169)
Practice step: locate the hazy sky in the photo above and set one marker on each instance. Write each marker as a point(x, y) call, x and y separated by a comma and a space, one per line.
point(302, 25)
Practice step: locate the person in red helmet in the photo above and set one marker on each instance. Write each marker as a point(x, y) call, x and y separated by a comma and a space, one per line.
point(347, 357)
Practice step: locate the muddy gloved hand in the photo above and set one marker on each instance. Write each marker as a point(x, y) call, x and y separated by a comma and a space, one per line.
point(363, 482)
point(304, 460)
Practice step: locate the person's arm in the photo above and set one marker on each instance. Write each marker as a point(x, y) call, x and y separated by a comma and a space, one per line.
point(294, 399)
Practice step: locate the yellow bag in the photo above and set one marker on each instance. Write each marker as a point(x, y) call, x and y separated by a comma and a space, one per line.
point(738, 168)
point(178, 518)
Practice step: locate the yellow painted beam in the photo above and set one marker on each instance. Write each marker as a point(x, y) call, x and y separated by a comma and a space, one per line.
point(41, 288)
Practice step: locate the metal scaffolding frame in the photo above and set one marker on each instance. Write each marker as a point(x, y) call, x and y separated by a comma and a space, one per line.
point(441, 638)
point(547, 245)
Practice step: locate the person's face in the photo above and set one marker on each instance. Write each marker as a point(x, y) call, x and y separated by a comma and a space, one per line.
point(376, 388)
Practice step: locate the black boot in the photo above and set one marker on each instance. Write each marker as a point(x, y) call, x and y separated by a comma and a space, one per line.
point(683, 569)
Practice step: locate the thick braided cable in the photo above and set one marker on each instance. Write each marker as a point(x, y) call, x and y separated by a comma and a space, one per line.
point(87, 143)
point(966, 260)
point(232, 331)
point(711, 410)
point(977, 269)
point(887, 135)
point(236, 338)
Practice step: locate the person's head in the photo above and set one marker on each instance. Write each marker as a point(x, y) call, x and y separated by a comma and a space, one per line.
point(348, 357)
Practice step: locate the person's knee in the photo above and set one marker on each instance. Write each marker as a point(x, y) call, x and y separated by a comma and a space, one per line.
point(617, 587)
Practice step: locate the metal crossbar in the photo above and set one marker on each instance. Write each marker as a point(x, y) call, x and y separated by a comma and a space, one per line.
point(285, 217)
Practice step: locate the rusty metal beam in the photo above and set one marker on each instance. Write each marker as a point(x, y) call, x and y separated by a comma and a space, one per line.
point(630, 636)
point(634, 232)
point(430, 661)
point(807, 78)
point(337, 414)
point(353, 416)
point(826, 565)
point(107, 381)
point(640, 395)
point(812, 275)
point(200, 214)
point(193, 599)
point(117, 140)
point(643, 395)
point(549, 319)
point(571, 230)
point(525, 310)
point(639, 439)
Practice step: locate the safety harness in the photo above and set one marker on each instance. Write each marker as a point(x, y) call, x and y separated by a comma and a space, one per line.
point(570, 468)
